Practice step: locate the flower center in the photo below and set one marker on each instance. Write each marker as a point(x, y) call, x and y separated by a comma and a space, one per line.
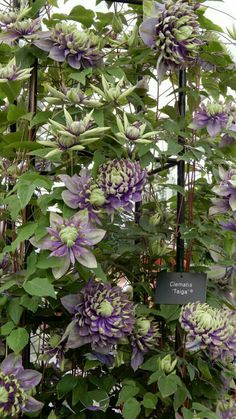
point(143, 326)
point(97, 197)
point(132, 133)
point(12, 396)
point(214, 109)
point(68, 235)
point(116, 178)
point(206, 320)
point(3, 395)
point(105, 308)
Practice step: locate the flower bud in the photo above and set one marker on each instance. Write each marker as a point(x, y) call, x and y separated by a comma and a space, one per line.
point(167, 366)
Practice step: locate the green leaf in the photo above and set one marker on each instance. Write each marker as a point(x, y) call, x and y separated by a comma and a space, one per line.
point(40, 287)
point(15, 112)
point(179, 397)
point(15, 310)
point(173, 148)
point(208, 24)
point(95, 397)
point(168, 385)
point(25, 193)
point(18, 339)
point(170, 312)
point(7, 285)
point(127, 392)
point(67, 383)
point(99, 273)
point(40, 118)
point(98, 159)
point(45, 261)
point(31, 303)
point(7, 328)
point(150, 400)
point(204, 369)
point(150, 364)
point(131, 409)
point(24, 233)
point(82, 15)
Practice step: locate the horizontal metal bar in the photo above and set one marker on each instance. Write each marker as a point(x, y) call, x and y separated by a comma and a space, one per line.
point(137, 2)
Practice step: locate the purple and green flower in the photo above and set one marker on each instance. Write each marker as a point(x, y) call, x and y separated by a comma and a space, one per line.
point(122, 182)
point(83, 193)
point(10, 72)
point(102, 316)
point(212, 116)
point(226, 190)
point(70, 240)
point(16, 383)
point(210, 329)
point(143, 339)
point(119, 184)
point(80, 49)
point(173, 32)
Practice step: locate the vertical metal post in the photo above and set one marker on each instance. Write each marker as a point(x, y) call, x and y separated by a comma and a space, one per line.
point(180, 178)
point(32, 107)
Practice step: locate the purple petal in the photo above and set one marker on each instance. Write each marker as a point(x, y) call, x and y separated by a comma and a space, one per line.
point(59, 271)
point(55, 220)
point(29, 378)
point(74, 61)
point(81, 217)
point(60, 251)
point(70, 199)
point(70, 302)
point(232, 202)
point(86, 258)
point(32, 405)
point(75, 340)
point(44, 44)
point(43, 244)
point(137, 359)
point(71, 182)
point(8, 38)
point(95, 235)
point(213, 128)
point(57, 54)
point(12, 364)
point(147, 31)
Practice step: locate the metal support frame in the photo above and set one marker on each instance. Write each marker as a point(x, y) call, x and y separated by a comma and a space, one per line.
point(181, 178)
point(180, 164)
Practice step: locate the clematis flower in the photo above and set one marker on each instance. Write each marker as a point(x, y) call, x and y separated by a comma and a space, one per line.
point(113, 93)
point(27, 29)
point(69, 239)
point(227, 141)
point(66, 43)
point(74, 135)
point(212, 117)
point(83, 193)
point(133, 133)
point(210, 329)
point(143, 339)
point(173, 32)
point(122, 182)
point(226, 409)
point(229, 225)
point(7, 17)
point(69, 95)
point(102, 316)
point(11, 72)
point(227, 192)
point(15, 385)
